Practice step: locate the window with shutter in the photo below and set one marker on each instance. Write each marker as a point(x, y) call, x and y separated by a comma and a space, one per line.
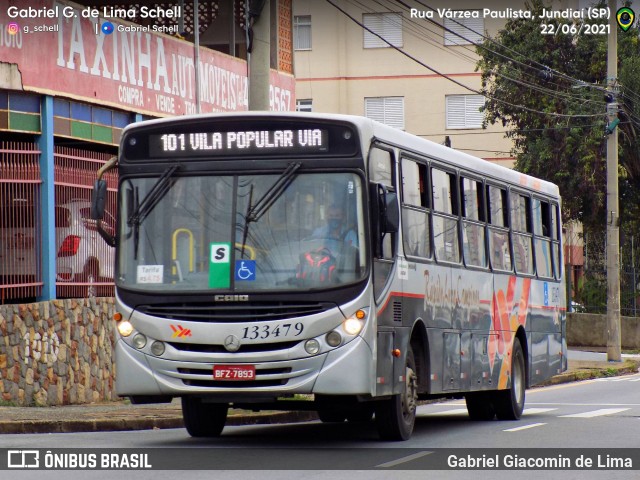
point(387, 110)
point(463, 31)
point(463, 111)
point(387, 25)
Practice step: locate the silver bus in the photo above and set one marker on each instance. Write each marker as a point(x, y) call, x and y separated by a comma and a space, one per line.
point(328, 263)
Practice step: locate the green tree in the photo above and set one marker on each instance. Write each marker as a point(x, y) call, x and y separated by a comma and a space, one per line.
point(566, 143)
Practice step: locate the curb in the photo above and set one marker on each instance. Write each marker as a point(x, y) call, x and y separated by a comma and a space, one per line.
point(614, 370)
point(148, 423)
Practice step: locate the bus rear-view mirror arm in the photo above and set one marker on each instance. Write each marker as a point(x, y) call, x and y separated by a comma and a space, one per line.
point(99, 201)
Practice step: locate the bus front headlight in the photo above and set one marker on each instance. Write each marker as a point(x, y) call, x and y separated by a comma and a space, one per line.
point(353, 325)
point(312, 346)
point(125, 328)
point(139, 341)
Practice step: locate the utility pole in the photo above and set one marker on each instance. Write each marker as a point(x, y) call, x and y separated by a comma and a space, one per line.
point(259, 21)
point(196, 51)
point(613, 230)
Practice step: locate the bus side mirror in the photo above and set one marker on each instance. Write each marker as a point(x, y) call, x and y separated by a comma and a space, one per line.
point(391, 216)
point(385, 211)
point(385, 215)
point(98, 199)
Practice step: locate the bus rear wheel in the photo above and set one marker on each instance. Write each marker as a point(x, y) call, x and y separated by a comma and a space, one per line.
point(509, 403)
point(203, 419)
point(396, 417)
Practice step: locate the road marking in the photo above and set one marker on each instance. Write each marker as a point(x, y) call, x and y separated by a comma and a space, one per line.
point(525, 427)
point(464, 411)
point(595, 413)
point(618, 379)
point(408, 458)
point(534, 411)
point(455, 411)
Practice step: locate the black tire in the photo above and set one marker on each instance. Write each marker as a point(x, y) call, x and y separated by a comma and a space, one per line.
point(396, 417)
point(509, 403)
point(479, 406)
point(331, 416)
point(203, 419)
point(361, 414)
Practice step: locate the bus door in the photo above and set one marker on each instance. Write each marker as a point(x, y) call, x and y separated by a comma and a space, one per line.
point(387, 270)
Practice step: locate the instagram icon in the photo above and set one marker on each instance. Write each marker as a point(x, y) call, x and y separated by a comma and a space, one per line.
point(13, 28)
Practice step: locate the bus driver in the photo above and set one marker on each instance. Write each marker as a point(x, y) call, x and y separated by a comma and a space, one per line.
point(335, 229)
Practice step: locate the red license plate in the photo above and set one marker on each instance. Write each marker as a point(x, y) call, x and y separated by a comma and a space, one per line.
point(234, 372)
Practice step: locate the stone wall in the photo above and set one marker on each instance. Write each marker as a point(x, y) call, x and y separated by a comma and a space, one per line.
point(590, 330)
point(58, 352)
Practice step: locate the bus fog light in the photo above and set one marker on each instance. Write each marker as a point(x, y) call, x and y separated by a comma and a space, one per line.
point(352, 326)
point(312, 346)
point(139, 341)
point(125, 328)
point(334, 338)
point(157, 348)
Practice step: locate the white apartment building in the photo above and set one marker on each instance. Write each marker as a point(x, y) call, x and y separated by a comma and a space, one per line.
point(342, 67)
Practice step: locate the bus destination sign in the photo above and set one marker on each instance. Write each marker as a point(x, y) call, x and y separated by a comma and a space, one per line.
point(239, 142)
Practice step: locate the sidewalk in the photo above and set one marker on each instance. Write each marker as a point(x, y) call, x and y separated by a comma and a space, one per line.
point(124, 416)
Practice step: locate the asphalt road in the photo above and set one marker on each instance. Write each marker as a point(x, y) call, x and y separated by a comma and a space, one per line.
point(595, 417)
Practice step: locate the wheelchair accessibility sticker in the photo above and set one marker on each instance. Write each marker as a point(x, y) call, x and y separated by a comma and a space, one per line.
point(245, 270)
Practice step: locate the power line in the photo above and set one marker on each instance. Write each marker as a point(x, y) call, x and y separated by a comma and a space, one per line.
point(579, 83)
point(415, 27)
point(491, 40)
point(519, 130)
point(466, 87)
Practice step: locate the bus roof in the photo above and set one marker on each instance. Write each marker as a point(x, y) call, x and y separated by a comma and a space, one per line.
point(371, 129)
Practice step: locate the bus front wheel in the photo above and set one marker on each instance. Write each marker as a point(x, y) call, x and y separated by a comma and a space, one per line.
point(396, 417)
point(203, 419)
point(509, 403)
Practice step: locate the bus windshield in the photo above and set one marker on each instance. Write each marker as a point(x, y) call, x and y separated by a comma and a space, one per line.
point(259, 232)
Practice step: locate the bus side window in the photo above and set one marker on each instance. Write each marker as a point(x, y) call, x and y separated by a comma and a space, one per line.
point(445, 217)
point(473, 229)
point(415, 216)
point(555, 240)
point(381, 170)
point(381, 167)
point(542, 242)
point(521, 232)
point(499, 251)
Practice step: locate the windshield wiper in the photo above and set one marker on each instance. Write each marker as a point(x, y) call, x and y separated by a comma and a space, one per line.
point(275, 191)
point(149, 202)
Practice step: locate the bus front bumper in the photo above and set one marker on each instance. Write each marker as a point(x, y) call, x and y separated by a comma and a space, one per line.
point(347, 370)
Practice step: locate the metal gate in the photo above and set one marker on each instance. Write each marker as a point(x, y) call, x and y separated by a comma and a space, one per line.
point(20, 221)
point(84, 263)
